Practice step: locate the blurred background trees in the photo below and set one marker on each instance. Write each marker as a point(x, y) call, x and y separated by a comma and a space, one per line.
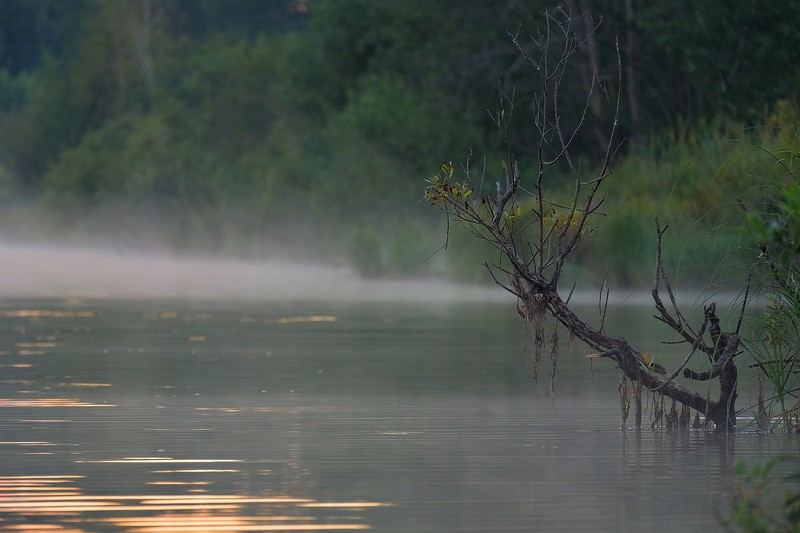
point(250, 126)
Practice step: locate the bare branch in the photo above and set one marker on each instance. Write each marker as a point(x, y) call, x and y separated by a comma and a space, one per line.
point(677, 322)
point(535, 236)
point(688, 357)
point(498, 282)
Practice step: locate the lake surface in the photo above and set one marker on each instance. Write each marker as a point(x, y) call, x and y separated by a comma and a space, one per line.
point(189, 415)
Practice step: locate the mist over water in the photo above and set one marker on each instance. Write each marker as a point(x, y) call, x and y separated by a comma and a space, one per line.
point(48, 271)
point(51, 271)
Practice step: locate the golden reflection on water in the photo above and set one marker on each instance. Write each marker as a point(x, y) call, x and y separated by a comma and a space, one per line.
point(45, 503)
point(310, 318)
point(234, 523)
point(179, 482)
point(195, 471)
point(46, 313)
point(49, 402)
point(85, 385)
point(37, 344)
point(24, 528)
point(345, 505)
point(161, 460)
point(163, 315)
point(29, 443)
point(34, 348)
point(56, 499)
point(295, 319)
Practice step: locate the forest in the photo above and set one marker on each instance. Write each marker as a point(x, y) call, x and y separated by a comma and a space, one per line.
point(307, 129)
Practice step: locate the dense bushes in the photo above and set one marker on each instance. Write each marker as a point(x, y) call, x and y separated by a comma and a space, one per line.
point(307, 126)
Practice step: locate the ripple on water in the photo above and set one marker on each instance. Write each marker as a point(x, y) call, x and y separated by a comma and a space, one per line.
point(188, 416)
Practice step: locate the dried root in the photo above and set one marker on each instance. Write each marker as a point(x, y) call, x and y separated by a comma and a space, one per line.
point(637, 397)
point(624, 399)
point(553, 360)
point(686, 415)
point(533, 310)
point(658, 411)
point(672, 417)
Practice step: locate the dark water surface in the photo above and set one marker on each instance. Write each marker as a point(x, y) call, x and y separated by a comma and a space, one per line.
point(169, 416)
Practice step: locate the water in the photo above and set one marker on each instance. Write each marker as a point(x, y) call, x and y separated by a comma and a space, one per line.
point(185, 415)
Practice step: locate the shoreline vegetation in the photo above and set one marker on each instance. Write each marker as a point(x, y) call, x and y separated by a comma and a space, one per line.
point(253, 130)
point(695, 185)
point(306, 129)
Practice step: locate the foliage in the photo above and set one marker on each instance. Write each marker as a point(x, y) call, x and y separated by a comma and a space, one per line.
point(776, 339)
point(366, 252)
point(697, 182)
point(288, 115)
point(28, 27)
point(755, 507)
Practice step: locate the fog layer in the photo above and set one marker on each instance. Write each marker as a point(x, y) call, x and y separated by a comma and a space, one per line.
point(42, 271)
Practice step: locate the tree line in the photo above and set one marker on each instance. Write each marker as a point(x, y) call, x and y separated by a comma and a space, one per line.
point(242, 126)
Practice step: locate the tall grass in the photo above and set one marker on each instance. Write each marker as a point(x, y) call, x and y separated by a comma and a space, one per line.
point(695, 180)
point(776, 339)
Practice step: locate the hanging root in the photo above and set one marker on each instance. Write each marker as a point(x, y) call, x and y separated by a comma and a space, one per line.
point(553, 360)
point(624, 399)
point(637, 397)
point(685, 417)
point(658, 411)
point(535, 314)
point(534, 309)
point(672, 417)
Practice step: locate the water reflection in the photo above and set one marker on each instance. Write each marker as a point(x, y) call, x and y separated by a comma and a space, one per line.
point(49, 402)
point(58, 499)
point(46, 313)
point(300, 416)
point(301, 319)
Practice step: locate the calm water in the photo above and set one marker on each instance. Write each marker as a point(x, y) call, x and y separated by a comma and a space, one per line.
point(168, 416)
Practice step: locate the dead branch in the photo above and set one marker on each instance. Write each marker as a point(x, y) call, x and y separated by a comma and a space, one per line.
point(535, 237)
